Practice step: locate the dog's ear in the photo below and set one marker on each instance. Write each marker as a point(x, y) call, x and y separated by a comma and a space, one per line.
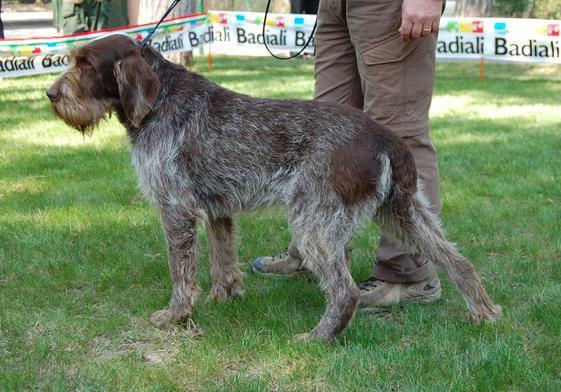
point(138, 87)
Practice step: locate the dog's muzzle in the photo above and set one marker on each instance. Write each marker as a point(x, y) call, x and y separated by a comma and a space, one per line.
point(53, 94)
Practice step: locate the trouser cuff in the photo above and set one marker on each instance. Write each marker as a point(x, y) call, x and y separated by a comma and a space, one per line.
point(420, 273)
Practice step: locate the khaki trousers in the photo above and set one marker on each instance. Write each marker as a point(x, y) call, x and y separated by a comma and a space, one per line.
point(361, 61)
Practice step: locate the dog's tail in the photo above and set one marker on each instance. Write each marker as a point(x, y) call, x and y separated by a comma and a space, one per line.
point(406, 217)
point(404, 171)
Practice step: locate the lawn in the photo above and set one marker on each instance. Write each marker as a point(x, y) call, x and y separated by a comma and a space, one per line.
point(83, 261)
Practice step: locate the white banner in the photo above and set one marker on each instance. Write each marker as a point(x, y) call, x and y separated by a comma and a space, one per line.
point(45, 55)
point(287, 32)
point(503, 39)
point(461, 38)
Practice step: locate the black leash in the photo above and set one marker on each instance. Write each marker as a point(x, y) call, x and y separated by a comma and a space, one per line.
point(267, 46)
point(171, 7)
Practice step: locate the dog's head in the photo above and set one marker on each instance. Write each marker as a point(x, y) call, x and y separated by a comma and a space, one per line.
point(104, 73)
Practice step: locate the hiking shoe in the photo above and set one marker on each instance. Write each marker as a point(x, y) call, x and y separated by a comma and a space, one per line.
point(283, 264)
point(376, 294)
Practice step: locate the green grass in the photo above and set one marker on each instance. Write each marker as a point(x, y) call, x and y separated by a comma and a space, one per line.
point(83, 264)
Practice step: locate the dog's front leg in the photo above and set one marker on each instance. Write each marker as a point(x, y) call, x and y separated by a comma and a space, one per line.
point(224, 268)
point(180, 232)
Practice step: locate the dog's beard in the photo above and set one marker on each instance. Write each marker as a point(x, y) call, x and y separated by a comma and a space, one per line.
point(82, 114)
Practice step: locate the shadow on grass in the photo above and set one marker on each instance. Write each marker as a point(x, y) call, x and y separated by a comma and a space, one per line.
point(498, 91)
point(21, 102)
point(19, 114)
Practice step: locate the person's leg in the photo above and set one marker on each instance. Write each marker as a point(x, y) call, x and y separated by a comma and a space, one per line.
point(397, 81)
point(337, 79)
point(336, 75)
point(398, 277)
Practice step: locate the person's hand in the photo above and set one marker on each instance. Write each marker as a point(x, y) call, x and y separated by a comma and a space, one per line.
point(419, 18)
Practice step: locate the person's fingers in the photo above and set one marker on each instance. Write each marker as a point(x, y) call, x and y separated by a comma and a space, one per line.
point(427, 29)
point(435, 26)
point(405, 29)
point(417, 29)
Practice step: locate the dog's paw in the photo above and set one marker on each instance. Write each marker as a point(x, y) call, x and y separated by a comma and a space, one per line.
point(226, 294)
point(218, 294)
point(312, 336)
point(237, 290)
point(165, 319)
point(486, 314)
point(303, 337)
point(161, 319)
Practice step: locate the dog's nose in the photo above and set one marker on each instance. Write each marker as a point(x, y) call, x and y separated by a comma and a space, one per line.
point(52, 93)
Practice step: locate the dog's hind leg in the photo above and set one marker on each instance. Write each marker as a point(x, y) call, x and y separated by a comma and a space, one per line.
point(180, 232)
point(410, 222)
point(322, 235)
point(224, 268)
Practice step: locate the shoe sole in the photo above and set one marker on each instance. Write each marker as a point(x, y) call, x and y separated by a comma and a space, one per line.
point(276, 274)
point(426, 299)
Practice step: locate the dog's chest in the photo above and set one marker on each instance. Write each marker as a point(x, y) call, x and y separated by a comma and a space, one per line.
point(170, 172)
point(159, 177)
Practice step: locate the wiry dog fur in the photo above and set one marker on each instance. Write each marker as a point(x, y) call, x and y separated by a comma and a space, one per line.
point(204, 152)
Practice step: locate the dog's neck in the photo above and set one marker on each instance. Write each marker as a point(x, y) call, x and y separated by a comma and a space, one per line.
point(173, 78)
point(162, 67)
point(155, 60)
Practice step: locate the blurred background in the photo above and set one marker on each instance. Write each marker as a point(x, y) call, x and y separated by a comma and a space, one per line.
point(26, 18)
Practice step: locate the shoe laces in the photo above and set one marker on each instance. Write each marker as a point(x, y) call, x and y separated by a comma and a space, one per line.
point(430, 285)
point(370, 282)
point(280, 256)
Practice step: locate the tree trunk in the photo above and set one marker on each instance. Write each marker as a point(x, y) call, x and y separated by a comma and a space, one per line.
point(152, 11)
point(478, 8)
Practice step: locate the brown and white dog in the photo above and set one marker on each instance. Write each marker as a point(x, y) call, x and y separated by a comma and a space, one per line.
point(204, 152)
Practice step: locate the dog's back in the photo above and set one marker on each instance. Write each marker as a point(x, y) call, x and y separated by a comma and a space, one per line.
point(240, 152)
